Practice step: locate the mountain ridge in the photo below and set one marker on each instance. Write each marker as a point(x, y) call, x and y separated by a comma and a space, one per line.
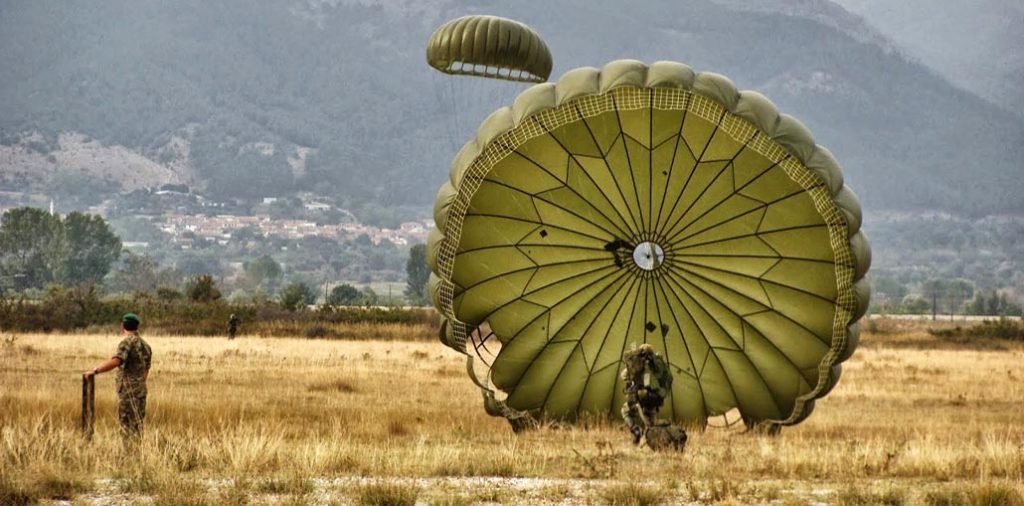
point(376, 127)
point(975, 45)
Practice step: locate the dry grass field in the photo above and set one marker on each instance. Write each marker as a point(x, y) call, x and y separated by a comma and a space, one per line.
point(914, 420)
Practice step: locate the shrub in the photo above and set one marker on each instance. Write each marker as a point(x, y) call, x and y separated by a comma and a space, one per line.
point(79, 308)
point(203, 289)
point(344, 295)
point(296, 296)
point(169, 293)
point(1003, 328)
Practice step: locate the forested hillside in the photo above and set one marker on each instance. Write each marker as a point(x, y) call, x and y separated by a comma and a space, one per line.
point(261, 98)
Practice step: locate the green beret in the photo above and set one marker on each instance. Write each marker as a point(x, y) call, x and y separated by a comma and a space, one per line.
point(131, 317)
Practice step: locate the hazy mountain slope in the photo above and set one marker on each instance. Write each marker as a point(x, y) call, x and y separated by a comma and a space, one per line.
point(976, 44)
point(825, 12)
point(249, 83)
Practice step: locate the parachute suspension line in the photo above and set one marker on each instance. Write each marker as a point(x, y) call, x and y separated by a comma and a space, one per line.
point(693, 370)
point(459, 68)
point(725, 420)
point(479, 338)
point(494, 406)
point(467, 101)
point(454, 130)
point(445, 99)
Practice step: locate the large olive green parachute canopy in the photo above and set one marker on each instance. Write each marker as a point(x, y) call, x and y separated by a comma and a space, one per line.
point(489, 46)
point(651, 204)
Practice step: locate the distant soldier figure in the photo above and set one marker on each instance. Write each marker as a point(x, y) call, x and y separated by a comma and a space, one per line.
point(233, 326)
point(648, 382)
point(132, 361)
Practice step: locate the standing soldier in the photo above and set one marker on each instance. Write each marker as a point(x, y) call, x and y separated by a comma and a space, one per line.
point(233, 326)
point(648, 382)
point(132, 361)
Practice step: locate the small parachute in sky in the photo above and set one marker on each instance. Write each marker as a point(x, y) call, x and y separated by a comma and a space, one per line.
point(648, 204)
point(489, 46)
point(502, 57)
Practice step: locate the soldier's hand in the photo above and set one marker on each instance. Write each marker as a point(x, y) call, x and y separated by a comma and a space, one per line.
point(88, 374)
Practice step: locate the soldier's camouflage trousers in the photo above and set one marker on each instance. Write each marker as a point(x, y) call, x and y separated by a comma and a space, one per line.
point(131, 411)
point(665, 436)
point(640, 413)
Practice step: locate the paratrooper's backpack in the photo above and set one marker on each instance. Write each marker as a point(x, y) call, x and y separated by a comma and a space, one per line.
point(666, 436)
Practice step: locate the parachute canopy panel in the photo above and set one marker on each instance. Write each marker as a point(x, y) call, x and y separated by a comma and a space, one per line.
point(489, 46)
point(680, 214)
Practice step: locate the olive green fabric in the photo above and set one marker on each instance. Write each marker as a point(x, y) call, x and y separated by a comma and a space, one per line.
point(489, 46)
point(759, 257)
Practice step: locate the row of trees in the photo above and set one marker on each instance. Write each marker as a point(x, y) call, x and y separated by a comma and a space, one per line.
point(38, 248)
point(262, 280)
point(994, 304)
point(940, 296)
point(295, 296)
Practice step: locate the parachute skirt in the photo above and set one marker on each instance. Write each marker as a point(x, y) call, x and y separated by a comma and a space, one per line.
point(759, 284)
point(489, 46)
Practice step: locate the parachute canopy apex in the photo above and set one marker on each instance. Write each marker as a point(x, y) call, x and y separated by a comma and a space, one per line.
point(489, 46)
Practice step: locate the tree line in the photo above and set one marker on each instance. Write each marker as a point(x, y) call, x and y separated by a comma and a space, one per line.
point(956, 296)
point(39, 250)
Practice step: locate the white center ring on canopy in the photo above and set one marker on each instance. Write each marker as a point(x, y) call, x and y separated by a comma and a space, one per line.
point(648, 256)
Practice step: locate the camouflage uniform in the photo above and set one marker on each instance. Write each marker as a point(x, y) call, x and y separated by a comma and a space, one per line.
point(648, 382)
point(136, 357)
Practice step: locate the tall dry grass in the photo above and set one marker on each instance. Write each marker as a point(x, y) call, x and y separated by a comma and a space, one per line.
point(304, 419)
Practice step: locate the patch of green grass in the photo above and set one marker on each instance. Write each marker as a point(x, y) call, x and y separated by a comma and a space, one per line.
point(633, 494)
point(995, 494)
point(947, 496)
point(34, 487)
point(484, 465)
point(183, 491)
point(989, 494)
point(291, 485)
point(452, 499)
point(59, 487)
point(387, 494)
point(15, 493)
point(335, 385)
point(555, 493)
point(852, 495)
